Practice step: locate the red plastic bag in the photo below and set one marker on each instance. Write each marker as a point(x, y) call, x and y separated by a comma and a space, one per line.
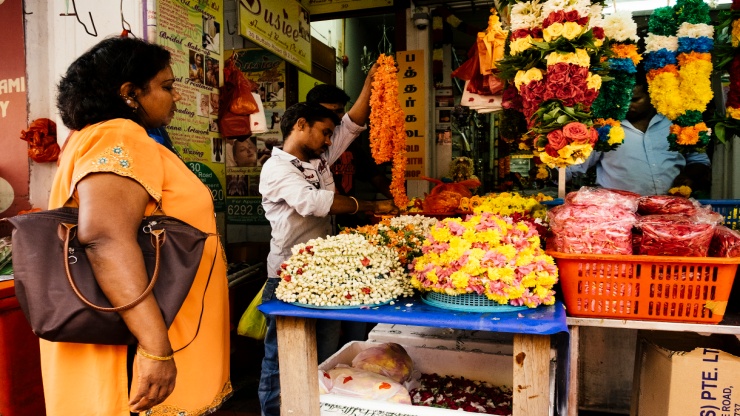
point(236, 102)
point(725, 243)
point(674, 235)
point(666, 204)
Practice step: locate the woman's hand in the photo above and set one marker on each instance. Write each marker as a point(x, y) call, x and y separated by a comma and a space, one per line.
point(156, 382)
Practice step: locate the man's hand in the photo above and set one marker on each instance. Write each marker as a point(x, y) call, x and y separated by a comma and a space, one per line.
point(385, 207)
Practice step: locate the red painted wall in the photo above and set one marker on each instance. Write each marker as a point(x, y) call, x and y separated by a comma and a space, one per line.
point(14, 165)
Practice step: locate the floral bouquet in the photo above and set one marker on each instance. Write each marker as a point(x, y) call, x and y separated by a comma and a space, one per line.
point(342, 270)
point(679, 64)
point(405, 234)
point(489, 255)
point(615, 96)
point(553, 61)
point(727, 58)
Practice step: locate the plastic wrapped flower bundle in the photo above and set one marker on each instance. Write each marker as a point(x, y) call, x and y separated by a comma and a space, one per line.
point(404, 234)
point(591, 229)
point(342, 270)
point(489, 255)
point(614, 98)
point(679, 64)
point(552, 47)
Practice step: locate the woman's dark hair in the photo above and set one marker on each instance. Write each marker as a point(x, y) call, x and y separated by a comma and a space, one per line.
point(327, 94)
point(90, 90)
point(312, 112)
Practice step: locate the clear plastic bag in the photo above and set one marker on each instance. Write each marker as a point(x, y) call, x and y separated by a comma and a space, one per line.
point(253, 324)
point(390, 360)
point(353, 382)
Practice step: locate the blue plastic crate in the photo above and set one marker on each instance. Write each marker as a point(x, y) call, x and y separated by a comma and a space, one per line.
point(730, 208)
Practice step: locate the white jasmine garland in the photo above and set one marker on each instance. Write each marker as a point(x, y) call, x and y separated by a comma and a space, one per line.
point(342, 270)
point(654, 43)
point(689, 30)
point(419, 223)
point(620, 27)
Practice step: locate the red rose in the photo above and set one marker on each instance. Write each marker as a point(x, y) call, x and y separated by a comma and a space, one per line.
point(556, 139)
point(519, 33)
point(594, 136)
point(511, 98)
point(551, 152)
point(735, 5)
point(598, 32)
point(589, 96)
point(583, 21)
point(558, 16)
point(537, 32)
point(571, 16)
point(576, 133)
point(558, 73)
point(578, 76)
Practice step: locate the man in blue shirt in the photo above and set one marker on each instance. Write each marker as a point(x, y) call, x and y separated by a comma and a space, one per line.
point(642, 163)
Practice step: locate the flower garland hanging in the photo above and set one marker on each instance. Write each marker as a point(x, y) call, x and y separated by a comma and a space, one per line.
point(679, 66)
point(727, 58)
point(387, 127)
point(489, 255)
point(615, 96)
point(551, 50)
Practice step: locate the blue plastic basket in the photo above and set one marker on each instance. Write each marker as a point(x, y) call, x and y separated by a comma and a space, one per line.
point(729, 208)
point(468, 302)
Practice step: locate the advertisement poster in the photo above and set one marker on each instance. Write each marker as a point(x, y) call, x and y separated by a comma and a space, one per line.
point(13, 112)
point(191, 31)
point(411, 80)
point(317, 7)
point(280, 26)
point(244, 158)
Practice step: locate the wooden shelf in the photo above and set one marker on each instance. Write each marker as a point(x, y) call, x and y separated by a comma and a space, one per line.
point(729, 325)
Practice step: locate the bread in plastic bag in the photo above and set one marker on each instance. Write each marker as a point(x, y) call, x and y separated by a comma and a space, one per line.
point(353, 382)
point(390, 360)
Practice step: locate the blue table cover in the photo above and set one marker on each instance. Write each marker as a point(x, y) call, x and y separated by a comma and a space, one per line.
point(544, 320)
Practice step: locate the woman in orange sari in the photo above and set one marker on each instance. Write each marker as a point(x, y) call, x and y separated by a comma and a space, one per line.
point(115, 173)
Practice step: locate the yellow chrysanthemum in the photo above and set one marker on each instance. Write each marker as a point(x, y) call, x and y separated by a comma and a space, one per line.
point(616, 135)
point(593, 81)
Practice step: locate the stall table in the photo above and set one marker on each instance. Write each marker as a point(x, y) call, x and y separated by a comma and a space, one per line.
point(296, 330)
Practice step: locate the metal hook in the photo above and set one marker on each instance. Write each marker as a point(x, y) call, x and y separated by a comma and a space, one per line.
point(126, 26)
point(74, 7)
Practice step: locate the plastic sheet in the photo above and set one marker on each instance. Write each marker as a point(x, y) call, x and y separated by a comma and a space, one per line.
point(389, 360)
point(354, 382)
point(543, 320)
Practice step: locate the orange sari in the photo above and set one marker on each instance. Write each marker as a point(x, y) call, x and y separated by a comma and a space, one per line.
point(83, 379)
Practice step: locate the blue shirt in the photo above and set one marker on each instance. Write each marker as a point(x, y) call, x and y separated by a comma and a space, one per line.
point(642, 163)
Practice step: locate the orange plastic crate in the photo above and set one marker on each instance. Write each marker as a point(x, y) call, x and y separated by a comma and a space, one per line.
point(656, 288)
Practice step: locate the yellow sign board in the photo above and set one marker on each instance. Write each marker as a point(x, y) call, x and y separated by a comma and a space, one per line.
point(317, 7)
point(411, 81)
point(280, 26)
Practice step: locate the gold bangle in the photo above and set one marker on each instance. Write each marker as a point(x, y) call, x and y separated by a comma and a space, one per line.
point(357, 205)
point(145, 354)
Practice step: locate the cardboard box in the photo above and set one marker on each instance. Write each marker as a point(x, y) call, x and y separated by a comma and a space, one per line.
point(681, 374)
point(496, 369)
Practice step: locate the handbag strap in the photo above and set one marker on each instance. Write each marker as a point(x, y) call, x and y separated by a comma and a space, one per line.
point(157, 234)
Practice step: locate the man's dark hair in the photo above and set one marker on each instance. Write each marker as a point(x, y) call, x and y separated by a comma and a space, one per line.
point(641, 77)
point(89, 92)
point(327, 94)
point(312, 112)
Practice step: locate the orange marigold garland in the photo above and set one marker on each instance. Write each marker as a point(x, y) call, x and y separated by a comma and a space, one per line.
point(387, 128)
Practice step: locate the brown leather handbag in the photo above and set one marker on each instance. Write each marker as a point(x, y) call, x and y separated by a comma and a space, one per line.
point(59, 294)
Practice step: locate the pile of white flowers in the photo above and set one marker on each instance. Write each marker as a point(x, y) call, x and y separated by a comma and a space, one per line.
point(342, 270)
point(419, 223)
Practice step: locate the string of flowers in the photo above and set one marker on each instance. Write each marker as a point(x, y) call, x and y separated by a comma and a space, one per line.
point(341, 270)
point(387, 128)
point(679, 66)
point(404, 234)
point(489, 255)
point(615, 96)
point(727, 58)
point(551, 50)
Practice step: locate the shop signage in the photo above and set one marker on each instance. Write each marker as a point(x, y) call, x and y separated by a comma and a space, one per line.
point(191, 31)
point(317, 7)
point(411, 81)
point(280, 26)
point(14, 177)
